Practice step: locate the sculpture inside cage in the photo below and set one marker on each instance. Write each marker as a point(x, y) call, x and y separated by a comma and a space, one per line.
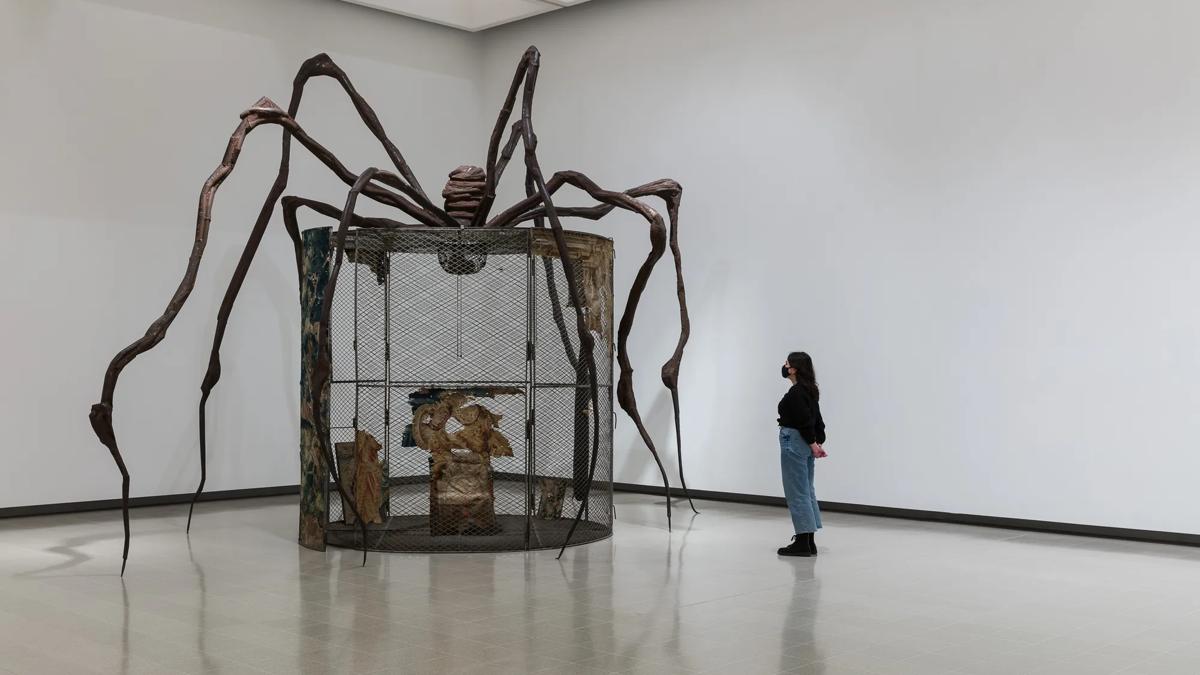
point(461, 490)
point(358, 461)
point(469, 196)
point(550, 501)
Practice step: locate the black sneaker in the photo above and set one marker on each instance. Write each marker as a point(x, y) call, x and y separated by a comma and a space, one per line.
point(798, 547)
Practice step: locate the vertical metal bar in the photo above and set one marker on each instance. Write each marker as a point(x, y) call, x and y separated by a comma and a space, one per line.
point(458, 315)
point(387, 364)
point(458, 298)
point(612, 260)
point(530, 384)
point(354, 271)
point(357, 386)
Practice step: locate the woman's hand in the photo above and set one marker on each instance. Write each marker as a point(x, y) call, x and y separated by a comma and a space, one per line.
point(818, 451)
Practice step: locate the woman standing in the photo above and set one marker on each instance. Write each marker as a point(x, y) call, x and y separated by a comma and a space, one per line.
point(801, 433)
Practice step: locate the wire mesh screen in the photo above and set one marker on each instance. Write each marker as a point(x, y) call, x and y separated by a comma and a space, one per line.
point(461, 414)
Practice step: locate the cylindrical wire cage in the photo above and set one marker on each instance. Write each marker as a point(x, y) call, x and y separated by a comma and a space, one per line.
point(459, 406)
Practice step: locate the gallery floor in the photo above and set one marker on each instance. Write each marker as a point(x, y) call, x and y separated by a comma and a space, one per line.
point(885, 596)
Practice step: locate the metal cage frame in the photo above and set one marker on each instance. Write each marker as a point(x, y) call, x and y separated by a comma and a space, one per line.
point(389, 337)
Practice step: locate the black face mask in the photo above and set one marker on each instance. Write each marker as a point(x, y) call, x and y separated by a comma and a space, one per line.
point(786, 375)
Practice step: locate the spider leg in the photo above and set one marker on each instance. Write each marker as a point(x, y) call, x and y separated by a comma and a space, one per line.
point(321, 370)
point(552, 285)
point(580, 462)
point(527, 70)
point(263, 112)
point(290, 207)
point(317, 66)
point(658, 244)
point(506, 155)
point(101, 413)
point(580, 441)
point(528, 64)
point(323, 65)
point(670, 192)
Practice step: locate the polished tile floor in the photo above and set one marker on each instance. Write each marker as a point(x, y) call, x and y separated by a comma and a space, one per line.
point(885, 596)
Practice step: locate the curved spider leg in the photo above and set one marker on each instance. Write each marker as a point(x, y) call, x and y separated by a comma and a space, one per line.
point(262, 112)
point(528, 63)
point(533, 207)
point(610, 201)
point(658, 245)
point(670, 192)
point(101, 413)
point(581, 450)
point(552, 286)
point(321, 370)
point(319, 65)
point(290, 207)
point(322, 65)
point(506, 154)
point(581, 464)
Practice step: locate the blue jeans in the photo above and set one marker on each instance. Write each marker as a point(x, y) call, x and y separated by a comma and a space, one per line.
point(798, 463)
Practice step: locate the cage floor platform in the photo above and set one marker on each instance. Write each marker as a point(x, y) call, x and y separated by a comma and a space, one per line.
point(410, 534)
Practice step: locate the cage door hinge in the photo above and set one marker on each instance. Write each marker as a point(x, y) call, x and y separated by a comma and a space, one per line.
point(529, 350)
point(529, 426)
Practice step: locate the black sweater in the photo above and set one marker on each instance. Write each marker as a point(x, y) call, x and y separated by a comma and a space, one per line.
point(800, 411)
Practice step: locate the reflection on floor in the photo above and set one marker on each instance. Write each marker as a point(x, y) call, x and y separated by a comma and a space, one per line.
point(885, 596)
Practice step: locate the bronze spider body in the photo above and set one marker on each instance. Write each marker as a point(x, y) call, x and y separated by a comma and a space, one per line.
point(468, 200)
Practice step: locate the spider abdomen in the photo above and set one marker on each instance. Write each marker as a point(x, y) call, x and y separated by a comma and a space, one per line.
point(464, 192)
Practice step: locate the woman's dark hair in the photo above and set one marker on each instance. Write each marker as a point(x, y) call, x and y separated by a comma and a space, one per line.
point(805, 375)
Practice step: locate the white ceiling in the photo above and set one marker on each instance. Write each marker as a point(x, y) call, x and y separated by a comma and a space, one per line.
point(469, 15)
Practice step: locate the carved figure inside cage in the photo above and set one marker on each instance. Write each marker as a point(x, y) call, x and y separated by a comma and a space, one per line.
point(550, 506)
point(359, 461)
point(461, 491)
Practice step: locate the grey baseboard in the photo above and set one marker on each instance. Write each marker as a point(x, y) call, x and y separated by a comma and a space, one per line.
point(1021, 524)
point(216, 495)
point(154, 500)
point(1154, 536)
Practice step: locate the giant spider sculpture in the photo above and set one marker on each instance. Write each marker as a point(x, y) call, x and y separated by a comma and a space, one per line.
point(469, 198)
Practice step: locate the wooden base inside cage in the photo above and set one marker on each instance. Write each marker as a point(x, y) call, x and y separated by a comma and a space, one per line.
point(461, 495)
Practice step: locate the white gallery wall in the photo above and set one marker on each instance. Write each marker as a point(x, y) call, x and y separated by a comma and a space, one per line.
point(113, 113)
point(980, 218)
